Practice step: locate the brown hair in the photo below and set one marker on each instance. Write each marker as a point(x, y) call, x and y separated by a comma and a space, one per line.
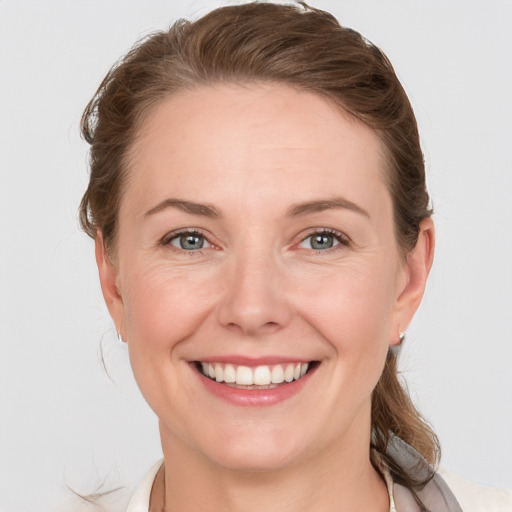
point(296, 45)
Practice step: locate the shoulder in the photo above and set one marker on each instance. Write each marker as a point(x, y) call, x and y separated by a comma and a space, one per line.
point(444, 492)
point(447, 492)
point(476, 498)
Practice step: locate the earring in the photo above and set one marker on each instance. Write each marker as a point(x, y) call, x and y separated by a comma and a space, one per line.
point(396, 347)
point(120, 337)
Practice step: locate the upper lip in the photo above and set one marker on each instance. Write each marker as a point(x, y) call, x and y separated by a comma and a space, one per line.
point(240, 360)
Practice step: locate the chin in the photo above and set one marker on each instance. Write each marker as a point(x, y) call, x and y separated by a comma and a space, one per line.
point(247, 460)
point(263, 451)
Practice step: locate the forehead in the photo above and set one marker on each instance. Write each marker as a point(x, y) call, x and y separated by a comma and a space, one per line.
point(252, 138)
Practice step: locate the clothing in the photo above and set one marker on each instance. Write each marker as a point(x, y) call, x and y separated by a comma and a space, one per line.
point(477, 498)
point(436, 495)
point(140, 500)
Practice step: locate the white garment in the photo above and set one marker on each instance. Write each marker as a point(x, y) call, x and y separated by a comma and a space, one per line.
point(477, 498)
point(140, 500)
point(472, 497)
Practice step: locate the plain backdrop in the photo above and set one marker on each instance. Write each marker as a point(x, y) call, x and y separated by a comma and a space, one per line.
point(65, 420)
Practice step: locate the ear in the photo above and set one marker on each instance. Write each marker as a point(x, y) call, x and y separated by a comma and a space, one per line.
point(413, 280)
point(108, 274)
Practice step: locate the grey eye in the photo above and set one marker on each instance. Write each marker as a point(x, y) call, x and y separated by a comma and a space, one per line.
point(322, 241)
point(189, 241)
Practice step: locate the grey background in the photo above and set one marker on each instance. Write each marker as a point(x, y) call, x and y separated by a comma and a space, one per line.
point(63, 418)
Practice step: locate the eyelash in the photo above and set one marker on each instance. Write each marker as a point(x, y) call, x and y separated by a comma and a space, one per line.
point(167, 239)
point(341, 238)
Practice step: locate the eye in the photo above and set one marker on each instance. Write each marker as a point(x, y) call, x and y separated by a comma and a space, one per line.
point(188, 241)
point(323, 240)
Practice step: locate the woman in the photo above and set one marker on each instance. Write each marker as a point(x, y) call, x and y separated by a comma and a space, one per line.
point(263, 238)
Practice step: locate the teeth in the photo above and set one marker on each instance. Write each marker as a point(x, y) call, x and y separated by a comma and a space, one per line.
point(277, 374)
point(258, 376)
point(229, 373)
point(244, 376)
point(288, 373)
point(262, 376)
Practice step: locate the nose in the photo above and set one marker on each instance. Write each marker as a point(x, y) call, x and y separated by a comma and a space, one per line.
point(254, 301)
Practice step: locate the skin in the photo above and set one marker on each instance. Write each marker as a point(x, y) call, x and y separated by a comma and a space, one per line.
point(257, 288)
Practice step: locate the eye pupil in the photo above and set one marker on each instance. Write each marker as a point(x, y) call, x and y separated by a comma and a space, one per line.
point(322, 241)
point(191, 241)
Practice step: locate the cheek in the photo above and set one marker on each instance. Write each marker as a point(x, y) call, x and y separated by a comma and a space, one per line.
point(164, 305)
point(352, 313)
point(349, 304)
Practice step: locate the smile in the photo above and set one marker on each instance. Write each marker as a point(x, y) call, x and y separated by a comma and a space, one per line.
point(258, 377)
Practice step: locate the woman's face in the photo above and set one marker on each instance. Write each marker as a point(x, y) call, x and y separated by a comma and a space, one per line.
point(256, 240)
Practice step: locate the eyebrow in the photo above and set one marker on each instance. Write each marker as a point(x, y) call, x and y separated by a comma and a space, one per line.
point(325, 204)
point(185, 206)
point(297, 210)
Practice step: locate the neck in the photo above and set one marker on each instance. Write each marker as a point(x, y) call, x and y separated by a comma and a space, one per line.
point(341, 479)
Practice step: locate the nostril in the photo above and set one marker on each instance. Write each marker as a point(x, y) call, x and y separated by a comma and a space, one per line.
point(251, 328)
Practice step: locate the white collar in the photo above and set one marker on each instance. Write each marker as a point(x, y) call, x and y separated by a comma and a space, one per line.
point(140, 500)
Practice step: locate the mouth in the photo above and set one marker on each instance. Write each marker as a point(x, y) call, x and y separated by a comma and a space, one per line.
point(259, 377)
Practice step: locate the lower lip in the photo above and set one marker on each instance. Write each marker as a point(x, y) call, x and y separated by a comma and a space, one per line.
point(254, 397)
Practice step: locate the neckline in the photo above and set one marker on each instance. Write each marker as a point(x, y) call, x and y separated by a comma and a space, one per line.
point(140, 500)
